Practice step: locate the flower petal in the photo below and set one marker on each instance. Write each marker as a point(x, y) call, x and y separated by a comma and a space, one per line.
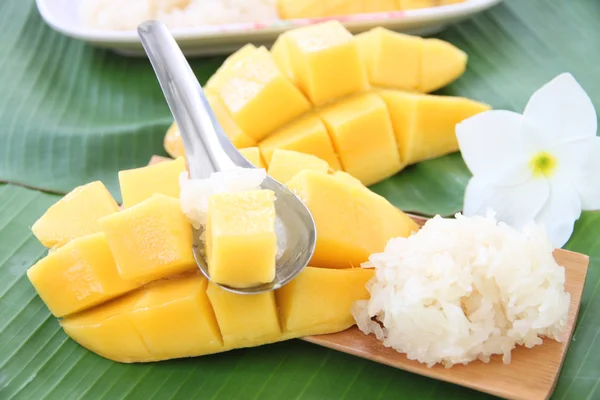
point(559, 112)
point(515, 205)
point(490, 143)
point(580, 162)
point(561, 211)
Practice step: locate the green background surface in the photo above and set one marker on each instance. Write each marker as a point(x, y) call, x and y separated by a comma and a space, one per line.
point(70, 114)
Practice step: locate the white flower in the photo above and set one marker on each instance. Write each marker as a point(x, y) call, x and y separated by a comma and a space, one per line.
point(543, 165)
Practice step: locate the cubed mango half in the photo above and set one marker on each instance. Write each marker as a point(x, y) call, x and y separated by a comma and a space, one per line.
point(441, 64)
point(362, 134)
point(150, 240)
point(139, 184)
point(241, 244)
point(216, 80)
point(75, 215)
point(237, 136)
point(285, 164)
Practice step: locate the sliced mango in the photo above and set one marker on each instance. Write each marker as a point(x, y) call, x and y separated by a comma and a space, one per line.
point(245, 320)
point(307, 135)
point(362, 134)
point(252, 154)
point(320, 300)
point(141, 183)
point(316, 54)
point(441, 64)
point(107, 330)
point(237, 136)
point(285, 164)
point(281, 55)
point(241, 244)
point(175, 319)
point(424, 125)
point(79, 275)
point(259, 97)
point(173, 143)
point(150, 240)
point(75, 215)
point(221, 75)
point(393, 60)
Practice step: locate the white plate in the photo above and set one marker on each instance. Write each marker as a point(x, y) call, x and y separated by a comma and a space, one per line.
point(62, 16)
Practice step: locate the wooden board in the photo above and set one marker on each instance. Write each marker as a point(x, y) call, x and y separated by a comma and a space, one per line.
point(531, 375)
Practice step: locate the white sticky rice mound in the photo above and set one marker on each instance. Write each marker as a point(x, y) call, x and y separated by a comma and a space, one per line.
point(464, 289)
point(195, 192)
point(128, 14)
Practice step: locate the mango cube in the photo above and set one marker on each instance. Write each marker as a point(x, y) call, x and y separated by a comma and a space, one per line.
point(150, 240)
point(304, 135)
point(424, 125)
point(241, 244)
point(78, 275)
point(285, 164)
point(245, 320)
point(393, 60)
point(326, 62)
point(363, 137)
point(75, 215)
point(107, 330)
point(259, 97)
point(441, 64)
point(237, 136)
point(320, 300)
point(141, 183)
point(221, 75)
point(252, 154)
point(281, 55)
point(173, 143)
point(175, 319)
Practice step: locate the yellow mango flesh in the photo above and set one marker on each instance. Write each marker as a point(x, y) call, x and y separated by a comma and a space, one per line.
point(441, 64)
point(241, 244)
point(307, 135)
point(290, 9)
point(173, 143)
point(237, 136)
point(78, 275)
point(107, 330)
point(252, 154)
point(320, 300)
point(245, 320)
point(150, 240)
point(424, 125)
point(281, 55)
point(220, 76)
point(75, 215)
point(316, 54)
point(285, 164)
point(259, 97)
point(363, 137)
point(175, 319)
point(140, 184)
point(393, 60)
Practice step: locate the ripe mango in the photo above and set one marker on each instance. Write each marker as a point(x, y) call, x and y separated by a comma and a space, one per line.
point(75, 215)
point(285, 164)
point(253, 155)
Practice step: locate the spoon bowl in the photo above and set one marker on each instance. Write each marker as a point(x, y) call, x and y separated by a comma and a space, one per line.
point(209, 150)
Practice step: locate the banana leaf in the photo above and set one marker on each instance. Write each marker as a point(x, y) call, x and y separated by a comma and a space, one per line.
point(70, 114)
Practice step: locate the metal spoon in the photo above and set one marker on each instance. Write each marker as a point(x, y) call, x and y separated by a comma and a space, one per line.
point(209, 150)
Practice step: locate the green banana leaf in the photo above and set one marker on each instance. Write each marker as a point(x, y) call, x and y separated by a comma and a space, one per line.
point(70, 114)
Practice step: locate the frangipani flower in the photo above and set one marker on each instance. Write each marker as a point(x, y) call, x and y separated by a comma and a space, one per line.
point(543, 165)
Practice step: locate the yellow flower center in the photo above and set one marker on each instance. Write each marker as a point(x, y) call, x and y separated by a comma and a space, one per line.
point(543, 164)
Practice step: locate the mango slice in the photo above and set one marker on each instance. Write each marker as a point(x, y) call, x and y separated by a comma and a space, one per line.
point(107, 330)
point(237, 136)
point(220, 76)
point(139, 184)
point(150, 240)
point(78, 275)
point(393, 60)
point(173, 143)
point(241, 244)
point(319, 300)
point(281, 56)
point(307, 135)
point(259, 97)
point(285, 164)
point(424, 125)
point(252, 154)
point(316, 54)
point(75, 215)
point(441, 64)
point(175, 319)
point(362, 134)
point(245, 320)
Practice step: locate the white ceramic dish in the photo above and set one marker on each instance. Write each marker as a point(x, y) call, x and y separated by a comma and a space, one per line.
point(62, 16)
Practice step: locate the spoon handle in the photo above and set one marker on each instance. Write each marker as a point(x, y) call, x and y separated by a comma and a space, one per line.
point(207, 147)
